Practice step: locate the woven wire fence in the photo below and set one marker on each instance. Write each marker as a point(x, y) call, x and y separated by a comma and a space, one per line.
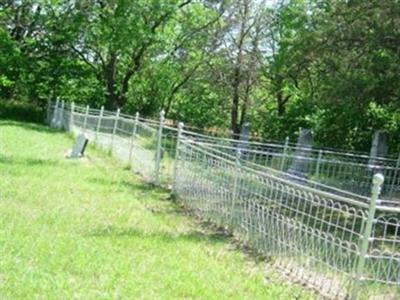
point(342, 243)
point(352, 172)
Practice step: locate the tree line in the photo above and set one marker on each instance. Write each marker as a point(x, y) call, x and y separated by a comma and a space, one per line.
point(332, 66)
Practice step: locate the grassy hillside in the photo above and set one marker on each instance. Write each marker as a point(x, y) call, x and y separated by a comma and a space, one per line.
point(90, 229)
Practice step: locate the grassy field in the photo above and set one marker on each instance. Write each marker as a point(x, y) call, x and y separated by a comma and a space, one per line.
point(89, 229)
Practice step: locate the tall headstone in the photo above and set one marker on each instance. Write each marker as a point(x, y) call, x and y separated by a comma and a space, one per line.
point(54, 117)
point(78, 150)
point(379, 148)
point(302, 154)
point(243, 139)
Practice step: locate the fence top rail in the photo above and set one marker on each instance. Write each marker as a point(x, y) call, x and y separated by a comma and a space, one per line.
point(208, 137)
point(153, 122)
point(171, 128)
point(126, 116)
point(123, 118)
point(79, 113)
point(79, 109)
point(109, 113)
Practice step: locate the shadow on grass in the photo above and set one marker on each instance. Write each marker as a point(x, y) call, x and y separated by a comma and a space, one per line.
point(167, 237)
point(167, 206)
point(28, 162)
point(126, 184)
point(29, 126)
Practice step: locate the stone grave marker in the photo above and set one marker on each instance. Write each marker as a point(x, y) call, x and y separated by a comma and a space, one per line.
point(243, 139)
point(300, 164)
point(379, 148)
point(79, 147)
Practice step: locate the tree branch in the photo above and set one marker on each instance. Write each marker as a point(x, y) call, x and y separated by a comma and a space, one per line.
point(82, 56)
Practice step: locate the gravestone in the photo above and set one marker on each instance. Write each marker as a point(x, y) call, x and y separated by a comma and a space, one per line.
point(161, 154)
point(79, 147)
point(302, 154)
point(54, 120)
point(243, 139)
point(379, 148)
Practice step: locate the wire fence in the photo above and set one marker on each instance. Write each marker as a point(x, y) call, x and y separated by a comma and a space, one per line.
point(339, 242)
point(352, 172)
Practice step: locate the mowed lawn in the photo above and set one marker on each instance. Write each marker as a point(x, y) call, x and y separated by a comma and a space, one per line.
point(90, 229)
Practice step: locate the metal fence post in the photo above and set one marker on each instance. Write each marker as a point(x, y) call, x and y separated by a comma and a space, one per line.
point(99, 122)
point(115, 128)
point(135, 125)
point(395, 174)
point(85, 119)
point(235, 184)
point(159, 148)
point(55, 113)
point(178, 141)
point(366, 235)
point(319, 159)
point(284, 154)
point(71, 118)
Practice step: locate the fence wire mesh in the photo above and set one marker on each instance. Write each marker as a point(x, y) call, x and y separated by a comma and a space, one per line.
point(352, 172)
point(333, 239)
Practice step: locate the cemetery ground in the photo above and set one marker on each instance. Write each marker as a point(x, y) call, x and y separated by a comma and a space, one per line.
point(90, 229)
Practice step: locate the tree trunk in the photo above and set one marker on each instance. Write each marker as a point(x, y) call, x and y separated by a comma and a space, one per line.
point(111, 84)
point(235, 127)
point(280, 104)
point(234, 114)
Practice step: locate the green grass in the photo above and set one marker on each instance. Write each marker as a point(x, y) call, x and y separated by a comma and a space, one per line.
point(90, 229)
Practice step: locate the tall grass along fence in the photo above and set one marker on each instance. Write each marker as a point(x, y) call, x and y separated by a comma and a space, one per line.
point(322, 230)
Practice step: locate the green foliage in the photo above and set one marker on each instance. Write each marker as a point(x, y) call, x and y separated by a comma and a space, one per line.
point(21, 111)
point(10, 64)
point(343, 64)
point(332, 66)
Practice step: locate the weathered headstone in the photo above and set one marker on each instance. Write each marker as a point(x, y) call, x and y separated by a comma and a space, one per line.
point(379, 148)
point(53, 116)
point(161, 154)
point(53, 122)
point(304, 144)
point(243, 139)
point(79, 147)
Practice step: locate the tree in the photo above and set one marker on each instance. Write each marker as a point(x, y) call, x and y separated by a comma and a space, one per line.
point(239, 52)
point(118, 39)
